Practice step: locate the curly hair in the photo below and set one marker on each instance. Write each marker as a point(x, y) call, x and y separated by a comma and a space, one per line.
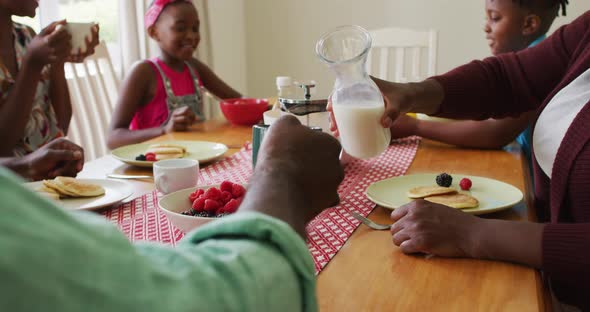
point(544, 4)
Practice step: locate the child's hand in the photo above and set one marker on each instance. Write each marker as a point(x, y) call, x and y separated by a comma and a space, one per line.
point(91, 43)
point(180, 120)
point(404, 126)
point(52, 45)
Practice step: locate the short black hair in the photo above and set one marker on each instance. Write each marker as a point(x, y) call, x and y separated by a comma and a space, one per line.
point(544, 4)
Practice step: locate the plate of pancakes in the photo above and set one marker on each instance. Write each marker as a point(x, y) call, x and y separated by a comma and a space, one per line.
point(82, 194)
point(485, 196)
point(201, 151)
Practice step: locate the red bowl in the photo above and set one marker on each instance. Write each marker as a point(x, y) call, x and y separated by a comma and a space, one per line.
point(244, 112)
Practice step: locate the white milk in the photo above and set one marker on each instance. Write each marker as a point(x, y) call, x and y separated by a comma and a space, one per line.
point(361, 133)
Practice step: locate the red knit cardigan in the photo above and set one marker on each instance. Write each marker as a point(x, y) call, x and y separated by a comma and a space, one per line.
point(513, 83)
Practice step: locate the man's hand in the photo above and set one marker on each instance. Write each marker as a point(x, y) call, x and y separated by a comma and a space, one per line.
point(297, 174)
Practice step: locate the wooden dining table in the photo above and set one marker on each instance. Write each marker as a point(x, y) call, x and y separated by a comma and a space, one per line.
point(369, 273)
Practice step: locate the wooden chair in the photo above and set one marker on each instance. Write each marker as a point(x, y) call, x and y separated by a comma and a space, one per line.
point(397, 54)
point(94, 88)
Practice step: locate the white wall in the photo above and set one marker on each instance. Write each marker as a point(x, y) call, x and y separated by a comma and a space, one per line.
point(228, 41)
point(280, 35)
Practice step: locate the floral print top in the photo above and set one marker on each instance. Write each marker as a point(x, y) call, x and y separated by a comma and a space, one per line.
point(42, 125)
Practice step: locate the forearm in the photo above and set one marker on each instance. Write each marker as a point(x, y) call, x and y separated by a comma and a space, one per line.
point(467, 133)
point(16, 165)
point(16, 109)
point(518, 242)
point(420, 97)
point(121, 136)
point(274, 193)
point(60, 96)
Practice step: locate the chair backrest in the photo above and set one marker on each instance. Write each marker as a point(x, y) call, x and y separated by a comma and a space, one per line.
point(94, 89)
point(397, 54)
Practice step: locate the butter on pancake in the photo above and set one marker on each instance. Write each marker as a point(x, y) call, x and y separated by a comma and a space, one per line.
point(459, 201)
point(166, 151)
point(425, 191)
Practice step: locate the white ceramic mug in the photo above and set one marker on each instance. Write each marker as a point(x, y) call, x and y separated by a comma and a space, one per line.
point(79, 32)
point(172, 175)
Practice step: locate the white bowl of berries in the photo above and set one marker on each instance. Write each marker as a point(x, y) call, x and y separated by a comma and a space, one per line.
point(190, 208)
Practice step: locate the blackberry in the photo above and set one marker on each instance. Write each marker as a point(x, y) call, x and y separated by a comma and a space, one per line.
point(186, 213)
point(221, 215)
point(203, 214)
point(444, 179)
point(141, 157)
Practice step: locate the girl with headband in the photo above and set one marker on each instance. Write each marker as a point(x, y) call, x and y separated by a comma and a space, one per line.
point(162, 94)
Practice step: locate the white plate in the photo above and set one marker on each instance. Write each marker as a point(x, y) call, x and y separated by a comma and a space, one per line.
point(198, 150)
point(115, 192)
point(493, 195)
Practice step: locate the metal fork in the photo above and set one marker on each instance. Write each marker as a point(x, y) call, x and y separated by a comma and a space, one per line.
point(369, 223)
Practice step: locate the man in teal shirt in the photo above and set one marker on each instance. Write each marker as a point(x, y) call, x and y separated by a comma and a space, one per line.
point(254, 260)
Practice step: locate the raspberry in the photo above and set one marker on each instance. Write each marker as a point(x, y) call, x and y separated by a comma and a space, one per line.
point(194, 195)
point(231, 206)
point(200, 192)
point(226, 197)
point(465, 184)
point(199, 204)
point(150, 157)
point(213, 193)
point(444, 179)
point(220, 211)
point(238, 191)
point(226, 186)
point(211, 205)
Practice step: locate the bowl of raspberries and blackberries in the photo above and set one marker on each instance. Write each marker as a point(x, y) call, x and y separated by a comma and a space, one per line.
point(189, 208)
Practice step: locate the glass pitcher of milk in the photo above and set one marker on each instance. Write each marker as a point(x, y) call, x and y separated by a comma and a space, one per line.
point(356, 101)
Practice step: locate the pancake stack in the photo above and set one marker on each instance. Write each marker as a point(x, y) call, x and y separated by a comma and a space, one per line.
point(443, 195)
point(66, 187)
point(166, 151)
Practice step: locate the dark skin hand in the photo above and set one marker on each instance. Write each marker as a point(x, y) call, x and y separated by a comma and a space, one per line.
point(59, 157)
point(297, 174)
point(429, 228)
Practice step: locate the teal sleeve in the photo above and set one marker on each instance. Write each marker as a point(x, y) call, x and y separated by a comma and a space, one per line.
point(53, 260)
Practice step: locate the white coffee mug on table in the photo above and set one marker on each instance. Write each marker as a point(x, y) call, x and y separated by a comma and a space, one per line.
point(172, 175)
point(79, 33)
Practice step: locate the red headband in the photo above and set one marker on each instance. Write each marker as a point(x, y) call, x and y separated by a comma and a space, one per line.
point(152, 14)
